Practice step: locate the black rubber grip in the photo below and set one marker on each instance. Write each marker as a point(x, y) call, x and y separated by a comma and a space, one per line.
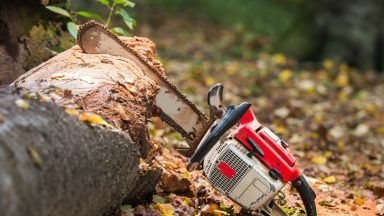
point(307, 195)
point(230, 118)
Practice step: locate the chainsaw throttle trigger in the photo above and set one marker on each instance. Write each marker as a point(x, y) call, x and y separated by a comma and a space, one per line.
point(230, 118)
point(255, 148)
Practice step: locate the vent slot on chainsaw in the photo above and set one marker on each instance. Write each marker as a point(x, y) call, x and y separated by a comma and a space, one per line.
point(234, 161)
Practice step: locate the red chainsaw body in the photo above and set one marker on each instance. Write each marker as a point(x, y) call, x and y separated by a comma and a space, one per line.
point(275, 155)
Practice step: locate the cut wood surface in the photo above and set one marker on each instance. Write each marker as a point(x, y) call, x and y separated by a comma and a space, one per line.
point(114, 87)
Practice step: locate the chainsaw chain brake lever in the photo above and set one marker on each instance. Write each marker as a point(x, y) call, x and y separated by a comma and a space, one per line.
point(215, 101)
point(231, 116)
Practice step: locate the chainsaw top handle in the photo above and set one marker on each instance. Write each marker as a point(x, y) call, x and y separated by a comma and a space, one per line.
point(231, 117)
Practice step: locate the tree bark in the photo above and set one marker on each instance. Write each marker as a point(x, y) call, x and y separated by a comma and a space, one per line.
point(53, 164)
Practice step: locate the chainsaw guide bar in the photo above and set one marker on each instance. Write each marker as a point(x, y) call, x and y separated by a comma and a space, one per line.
point(172, 106)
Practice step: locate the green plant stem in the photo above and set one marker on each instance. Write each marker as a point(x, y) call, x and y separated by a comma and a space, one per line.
point(111, 11)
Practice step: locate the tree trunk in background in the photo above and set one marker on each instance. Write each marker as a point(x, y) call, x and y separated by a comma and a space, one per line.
point(350, 31)
point(23, 36)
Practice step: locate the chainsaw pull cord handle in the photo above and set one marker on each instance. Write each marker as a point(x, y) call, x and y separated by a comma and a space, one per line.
point(307, 195)
point(231, 117)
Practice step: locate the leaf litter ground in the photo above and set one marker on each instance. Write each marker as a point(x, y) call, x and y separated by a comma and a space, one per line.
point(332, 116)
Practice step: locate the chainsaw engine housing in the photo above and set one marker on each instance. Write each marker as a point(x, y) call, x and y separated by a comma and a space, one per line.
point(243, 179)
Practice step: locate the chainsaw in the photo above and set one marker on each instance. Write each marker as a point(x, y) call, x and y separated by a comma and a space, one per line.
point(245, 160)
point(241, 158)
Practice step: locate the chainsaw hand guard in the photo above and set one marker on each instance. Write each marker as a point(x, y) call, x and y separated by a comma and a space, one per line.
point(230, 118)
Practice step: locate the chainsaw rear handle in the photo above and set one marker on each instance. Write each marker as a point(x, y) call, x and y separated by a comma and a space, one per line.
point(231, 117)
point(307, 195)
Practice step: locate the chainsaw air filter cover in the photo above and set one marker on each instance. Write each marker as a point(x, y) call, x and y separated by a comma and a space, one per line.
point(243, 179)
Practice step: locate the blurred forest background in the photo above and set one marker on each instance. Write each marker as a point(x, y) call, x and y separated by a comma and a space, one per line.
point(310, 31)
point(313, 71)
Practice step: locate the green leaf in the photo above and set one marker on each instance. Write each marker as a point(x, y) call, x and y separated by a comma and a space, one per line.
point(90, 15)
point(125, 207)
point(59, 10)
point(128, 20)
point(125, 3)
point(158, 199)
point(104, 2)
point(326, 203)
point(120, 31)
point(72, 29)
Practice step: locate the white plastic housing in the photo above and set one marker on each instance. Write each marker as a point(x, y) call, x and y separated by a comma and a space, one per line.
point(251, 186)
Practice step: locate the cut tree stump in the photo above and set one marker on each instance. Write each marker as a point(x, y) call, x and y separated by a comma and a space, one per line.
point(53, 164)
point(113, 87)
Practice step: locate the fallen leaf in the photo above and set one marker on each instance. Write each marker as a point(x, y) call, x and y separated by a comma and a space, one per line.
point(328, 64)
point(209, 80)
point(361, 130)
point(279, 59)
point(359, 201)
point(342, 80)
point(2, 118)
point(126, 209)
point(72, 111)
point(35, 156)
point(175, 184)
point(187, 201)
point(92, 119)
point(319, 160)
point(158, 199)
point(285, 75)
point(326, 203)
point(165, 209)
point(22, 104)
point(282, 112)
point(330, 179)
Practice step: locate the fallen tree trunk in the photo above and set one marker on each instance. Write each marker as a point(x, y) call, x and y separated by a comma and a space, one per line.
point(53, 164)
point(64, 167)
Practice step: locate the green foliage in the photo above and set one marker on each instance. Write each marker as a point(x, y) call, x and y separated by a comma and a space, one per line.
point(72, 29)
point(90, 15)
point(59, 10)
point(115, 8)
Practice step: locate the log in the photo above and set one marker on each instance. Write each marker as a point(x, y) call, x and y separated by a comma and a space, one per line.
point(53, 164)
point(65, 167)
point(113, 87)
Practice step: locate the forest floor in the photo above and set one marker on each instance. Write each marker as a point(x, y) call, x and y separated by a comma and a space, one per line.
point(331, 115)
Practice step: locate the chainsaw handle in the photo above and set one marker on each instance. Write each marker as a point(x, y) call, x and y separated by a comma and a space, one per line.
point(230, 118)
point(307, 195)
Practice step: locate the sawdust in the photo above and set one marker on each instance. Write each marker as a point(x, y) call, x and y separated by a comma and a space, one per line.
point(145, 48)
